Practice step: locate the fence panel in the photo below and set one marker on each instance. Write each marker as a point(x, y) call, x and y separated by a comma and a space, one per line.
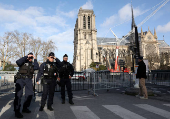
point(7, 83)
point(158, 78)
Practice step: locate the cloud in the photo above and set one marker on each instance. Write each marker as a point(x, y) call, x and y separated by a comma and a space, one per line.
point(6, 6)
point(51, 20)
point(70, 14)
point(73, 13)
point(46, 30)
point(88, 5)
point(64, 40)
point(123, 14)
point(33, 11)
point(109, 21)
point(64, 43)
point(164, 28)
point(12, 26)
point(31, 17)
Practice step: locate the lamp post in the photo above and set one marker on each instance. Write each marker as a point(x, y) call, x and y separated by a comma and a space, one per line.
point(134, 47)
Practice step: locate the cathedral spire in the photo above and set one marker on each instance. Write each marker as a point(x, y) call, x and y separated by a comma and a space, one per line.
point(133, 20)
point(141, 32)
point(148, 29)
point(155, 35)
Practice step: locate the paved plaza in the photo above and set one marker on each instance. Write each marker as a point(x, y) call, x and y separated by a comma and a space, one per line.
point(107, 105)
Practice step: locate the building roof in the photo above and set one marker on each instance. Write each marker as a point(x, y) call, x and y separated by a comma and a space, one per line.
point(162, 44)
point(110, 41)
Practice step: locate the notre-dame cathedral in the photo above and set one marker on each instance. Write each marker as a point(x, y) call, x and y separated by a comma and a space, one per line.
point(89, 48)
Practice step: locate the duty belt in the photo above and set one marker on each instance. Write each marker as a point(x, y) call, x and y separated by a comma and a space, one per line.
point(49, 77)
point(65, 77)
point(24, 77)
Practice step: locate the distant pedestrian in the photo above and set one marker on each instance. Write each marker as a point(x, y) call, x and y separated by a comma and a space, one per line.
point(141, 74)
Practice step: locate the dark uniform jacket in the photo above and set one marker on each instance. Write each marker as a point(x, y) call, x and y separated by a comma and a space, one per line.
point(24, 60)
point(42, 66)
point(141, 71)
point(66, 70)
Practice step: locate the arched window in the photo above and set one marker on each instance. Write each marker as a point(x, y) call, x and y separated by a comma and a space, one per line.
point(84, 22)
point(88, 22)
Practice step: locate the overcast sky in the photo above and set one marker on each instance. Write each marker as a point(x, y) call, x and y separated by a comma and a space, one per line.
point(55, 19)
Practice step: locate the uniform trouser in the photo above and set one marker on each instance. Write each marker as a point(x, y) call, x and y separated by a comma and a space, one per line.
point(48, 89)
point(142, 88)
point(20, 83)
point(67, 83)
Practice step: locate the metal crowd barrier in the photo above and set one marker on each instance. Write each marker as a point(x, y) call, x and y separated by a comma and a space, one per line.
point(109, 80)
point(79, 82)
point(7, 83)
point(91, 81)
point(159, 78)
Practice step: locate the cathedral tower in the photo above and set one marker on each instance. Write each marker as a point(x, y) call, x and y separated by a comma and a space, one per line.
point(85, 42)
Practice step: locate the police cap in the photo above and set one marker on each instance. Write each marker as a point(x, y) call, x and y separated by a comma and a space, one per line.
point(30, 53)
point(65, 55)
point(51, 54)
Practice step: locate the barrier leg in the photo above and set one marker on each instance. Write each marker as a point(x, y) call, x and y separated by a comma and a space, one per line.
point(94, 90)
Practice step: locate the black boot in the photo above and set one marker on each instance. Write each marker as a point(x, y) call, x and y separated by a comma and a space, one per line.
point(50, 108)
point(71, 102)
point(26, 110)
point(18, 114)
point(63, 101)
point(41, 108)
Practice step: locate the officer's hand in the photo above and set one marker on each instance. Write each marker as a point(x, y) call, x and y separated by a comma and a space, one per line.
point(34, 57)
point(69, 77)
point(37, 82)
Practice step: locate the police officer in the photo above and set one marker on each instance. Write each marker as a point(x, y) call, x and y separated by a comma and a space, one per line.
point(26, 71)
point(66, 72)
point(49, 71)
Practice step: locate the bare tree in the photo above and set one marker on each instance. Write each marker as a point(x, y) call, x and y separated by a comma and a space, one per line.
point(22, 42)
point(8, 49)
point(36, 46)
point(47, 47)
point(15, 45)
point(26, 37)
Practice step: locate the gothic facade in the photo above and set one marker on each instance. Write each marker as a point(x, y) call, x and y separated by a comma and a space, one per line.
point(88, 48)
